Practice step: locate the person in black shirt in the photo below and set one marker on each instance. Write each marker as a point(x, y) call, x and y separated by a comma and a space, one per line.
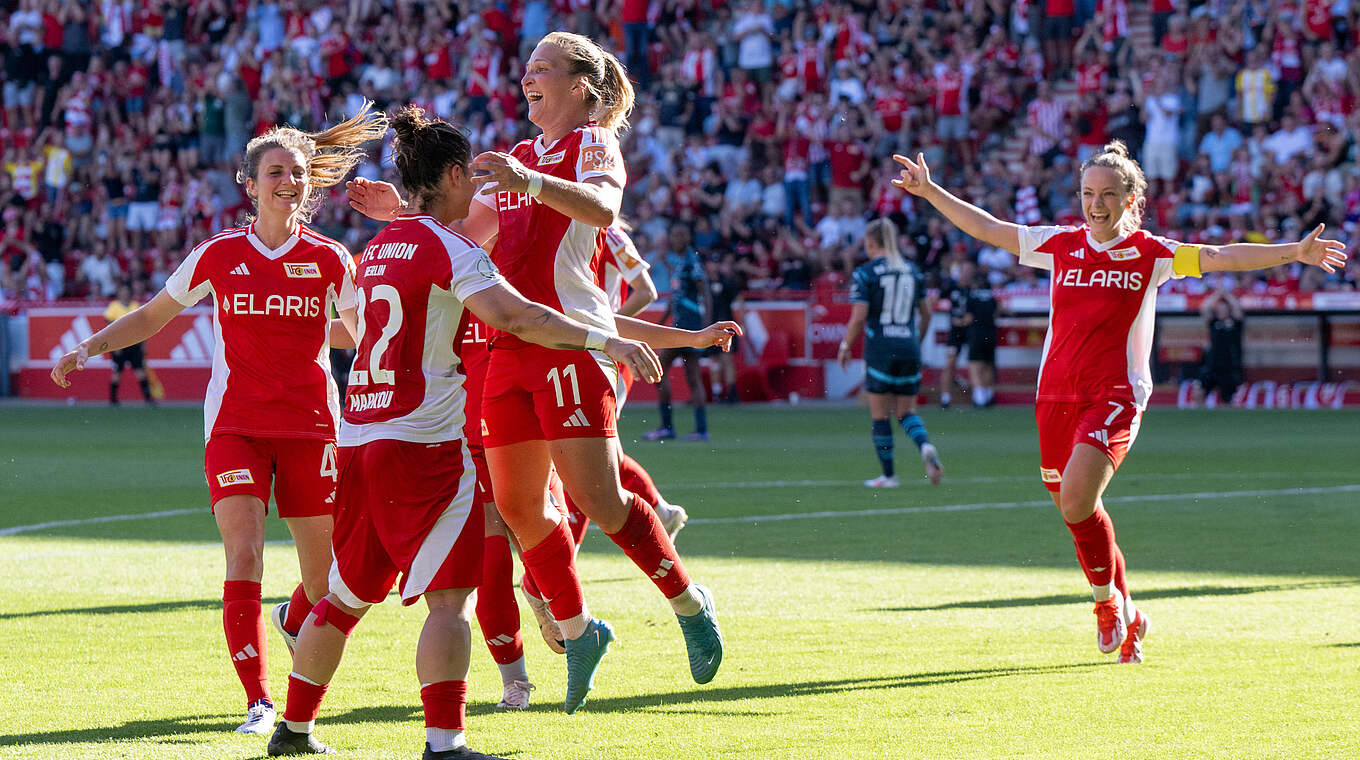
point(957, 293)
point(1223, 360)
point(724, 289)
point(979, 319)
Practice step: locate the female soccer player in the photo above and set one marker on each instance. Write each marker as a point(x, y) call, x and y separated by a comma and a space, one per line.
point(547, 204)
point(403, 424)
point(272, 406)
point(888, 296)
point(1094, 380)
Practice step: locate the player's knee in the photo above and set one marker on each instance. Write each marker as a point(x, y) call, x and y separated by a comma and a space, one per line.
point(1076, 498)
point(330, 610)
point(454, 605)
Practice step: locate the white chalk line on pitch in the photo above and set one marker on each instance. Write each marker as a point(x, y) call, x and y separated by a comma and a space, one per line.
point(979, 479)
point(974, 507)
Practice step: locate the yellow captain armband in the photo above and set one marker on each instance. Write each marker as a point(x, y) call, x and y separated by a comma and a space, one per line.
point(1185, 262)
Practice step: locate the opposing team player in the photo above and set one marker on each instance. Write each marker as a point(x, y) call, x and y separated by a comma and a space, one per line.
point(1094, 380)
point(406, 505)
point(547, 204)
point(888, 296)
point(272, 406)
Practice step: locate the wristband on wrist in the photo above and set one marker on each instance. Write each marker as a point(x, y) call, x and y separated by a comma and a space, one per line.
point(535, 184)
point(596, 338)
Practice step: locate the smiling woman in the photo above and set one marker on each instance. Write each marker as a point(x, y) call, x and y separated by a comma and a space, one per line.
point(1094, 380)
point(272, 407)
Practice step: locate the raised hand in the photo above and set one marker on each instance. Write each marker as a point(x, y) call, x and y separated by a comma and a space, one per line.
point(73, 361)
point(375, 200)
point(636, 356)
point(915, 177)
point(1321, 252)
point(718, 334)
point(500, 173)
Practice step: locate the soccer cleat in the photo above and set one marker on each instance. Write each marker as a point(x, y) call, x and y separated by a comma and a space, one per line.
point(547, 627)
point(1131, 653)
point(259, 718)
point(457, 753)
point(277, 616)
point(516, 696)
point(673, 518)
point(883, 481)
point(703, 639)
point(286, 741)
point(661, 434)
point(934, 470)
point(1110, 628)
point(697, 436)
point(583, 659)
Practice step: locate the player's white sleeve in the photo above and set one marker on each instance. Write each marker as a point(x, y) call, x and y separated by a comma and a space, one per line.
point(473, 272)
point(600, 156)
point(180, 284)
point(625, 254)
point(1181, 260)
point(1030, 240)
point(347, 298)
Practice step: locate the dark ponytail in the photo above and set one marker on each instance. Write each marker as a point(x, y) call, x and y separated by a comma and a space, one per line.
point(424, 150)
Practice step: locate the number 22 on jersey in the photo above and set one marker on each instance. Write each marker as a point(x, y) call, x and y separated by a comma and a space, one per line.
point(375, 374)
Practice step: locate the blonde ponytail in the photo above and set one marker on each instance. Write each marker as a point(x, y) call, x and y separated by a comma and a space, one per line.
point(884, 234)
point(607, 87)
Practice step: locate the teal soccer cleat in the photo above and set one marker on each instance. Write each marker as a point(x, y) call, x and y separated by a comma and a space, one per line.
point(583, 659)
point(703, 639)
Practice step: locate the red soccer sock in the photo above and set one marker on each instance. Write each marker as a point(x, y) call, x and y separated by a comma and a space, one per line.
point(526, 582)
point(243, 622)
point(553, 564)
point(304, 699)
point(645, 542)
point(497, 611)
point(1120, 581)
point(636, 480)
point(1094, 538)
point(299, 607)
point(577, 522)
point(445, 704)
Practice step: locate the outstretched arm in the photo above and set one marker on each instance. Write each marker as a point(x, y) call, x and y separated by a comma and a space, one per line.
point(128, 330)
point(503, 308)
point(718, 334)
point(915, 179)
point(1240, 257)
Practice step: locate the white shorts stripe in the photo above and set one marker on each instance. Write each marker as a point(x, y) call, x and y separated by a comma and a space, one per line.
point(439, 543)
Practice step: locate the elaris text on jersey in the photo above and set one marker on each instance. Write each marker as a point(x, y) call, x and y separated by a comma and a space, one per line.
point(1100, 278)
point(243, 304)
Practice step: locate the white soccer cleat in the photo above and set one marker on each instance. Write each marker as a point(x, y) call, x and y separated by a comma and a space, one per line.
point(673, 517)
point(516, 696)
point(931, 458)
point(259, 719)
point(547, 626)
point(883, 481)
point(277, 616)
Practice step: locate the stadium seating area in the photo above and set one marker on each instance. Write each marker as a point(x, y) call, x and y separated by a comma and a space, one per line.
point(765, 127)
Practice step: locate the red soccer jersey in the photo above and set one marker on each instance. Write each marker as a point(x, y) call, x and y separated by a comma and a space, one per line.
point(271, 320)
point(1103, 299)
point(622, 265)
point(407, 380)
point(545, 254)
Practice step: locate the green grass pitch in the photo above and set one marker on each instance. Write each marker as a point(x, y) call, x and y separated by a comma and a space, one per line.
point(945, 622)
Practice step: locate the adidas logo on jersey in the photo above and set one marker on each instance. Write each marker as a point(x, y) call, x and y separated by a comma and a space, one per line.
point(1102, 436)
point(246, 653)
point(241, 269)
point(1080, 253)
point(577, 419)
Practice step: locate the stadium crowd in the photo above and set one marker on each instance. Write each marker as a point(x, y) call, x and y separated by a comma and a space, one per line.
point(764, 129)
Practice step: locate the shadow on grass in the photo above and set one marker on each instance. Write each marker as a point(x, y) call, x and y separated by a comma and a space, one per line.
point(136, 729)
point(1345, 645)
point(1139, 595)
point(132, 609)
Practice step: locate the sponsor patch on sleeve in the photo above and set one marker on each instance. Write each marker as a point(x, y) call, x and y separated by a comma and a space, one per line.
point(304, 270)
point(596, 158)
point(1050, 475)
point(234, 478)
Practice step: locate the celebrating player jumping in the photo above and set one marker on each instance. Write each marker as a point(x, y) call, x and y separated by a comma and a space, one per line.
point(1094, 378)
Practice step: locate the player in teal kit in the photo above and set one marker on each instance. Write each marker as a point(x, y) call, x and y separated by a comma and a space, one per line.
point(890, 308)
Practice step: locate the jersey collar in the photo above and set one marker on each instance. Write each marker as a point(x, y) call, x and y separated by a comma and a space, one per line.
point(273, 253)
point(1102, 247)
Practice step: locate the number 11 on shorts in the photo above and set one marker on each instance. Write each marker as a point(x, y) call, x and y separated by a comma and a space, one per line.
point(568, 373)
